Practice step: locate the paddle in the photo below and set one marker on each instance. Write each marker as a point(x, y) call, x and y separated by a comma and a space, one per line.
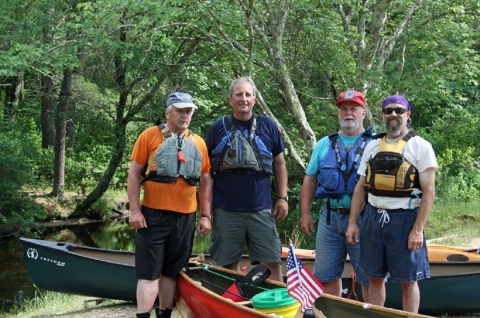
point(236, 291)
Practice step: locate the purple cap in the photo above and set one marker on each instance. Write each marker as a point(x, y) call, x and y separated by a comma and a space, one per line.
point(398, 99)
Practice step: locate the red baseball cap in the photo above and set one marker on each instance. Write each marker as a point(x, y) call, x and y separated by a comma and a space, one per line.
point(351, 96)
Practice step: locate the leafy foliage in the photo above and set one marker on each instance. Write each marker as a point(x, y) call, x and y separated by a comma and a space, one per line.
point(18, 212)
point(129, 55)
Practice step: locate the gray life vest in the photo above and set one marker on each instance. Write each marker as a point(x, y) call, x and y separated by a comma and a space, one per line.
point(175, 157)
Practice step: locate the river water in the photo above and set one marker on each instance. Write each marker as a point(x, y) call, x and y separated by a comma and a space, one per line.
point(15, 283)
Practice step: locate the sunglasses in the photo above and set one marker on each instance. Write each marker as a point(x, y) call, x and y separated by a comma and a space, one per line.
point(398, 110)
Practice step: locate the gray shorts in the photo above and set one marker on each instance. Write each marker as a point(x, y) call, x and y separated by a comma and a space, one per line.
point(233, 229)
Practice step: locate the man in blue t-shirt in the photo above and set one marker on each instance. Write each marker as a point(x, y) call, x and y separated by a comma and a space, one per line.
point(243, 211)
point(331, 175)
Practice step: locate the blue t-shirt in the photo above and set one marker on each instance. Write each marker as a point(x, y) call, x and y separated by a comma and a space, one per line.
point(319, 153)
point(244, 192)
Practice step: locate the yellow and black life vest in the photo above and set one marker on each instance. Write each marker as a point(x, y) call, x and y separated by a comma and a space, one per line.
point(389, 174)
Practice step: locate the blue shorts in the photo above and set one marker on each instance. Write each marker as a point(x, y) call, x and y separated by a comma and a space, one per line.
point(331, 248)
point(385, 248)
point(231, 230)
point(165, 246)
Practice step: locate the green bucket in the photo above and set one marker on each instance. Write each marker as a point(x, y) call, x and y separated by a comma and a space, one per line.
point(276, 301)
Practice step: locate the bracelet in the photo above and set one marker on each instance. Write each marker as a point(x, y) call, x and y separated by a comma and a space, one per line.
point(209, 217)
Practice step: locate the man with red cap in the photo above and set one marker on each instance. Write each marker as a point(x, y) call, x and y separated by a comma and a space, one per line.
point(398, 172)
point(331, 175)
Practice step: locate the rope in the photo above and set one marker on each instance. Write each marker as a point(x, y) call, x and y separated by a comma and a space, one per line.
point(352, 291)
point(205, 268)
point(206, 282)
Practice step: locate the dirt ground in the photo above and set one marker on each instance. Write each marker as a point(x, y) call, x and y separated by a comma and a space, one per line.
point(128, 310)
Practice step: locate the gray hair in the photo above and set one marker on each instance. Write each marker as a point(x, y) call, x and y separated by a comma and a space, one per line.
point(239, 80)
point(169, 109)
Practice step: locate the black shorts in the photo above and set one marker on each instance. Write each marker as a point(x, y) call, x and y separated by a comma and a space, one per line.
point(165, 246)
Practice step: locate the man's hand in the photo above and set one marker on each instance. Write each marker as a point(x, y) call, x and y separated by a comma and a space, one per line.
point(415, 240)
point(204, 226)
point(137, 220)
point(281, 210)
point(308, 228)
point(352, 234)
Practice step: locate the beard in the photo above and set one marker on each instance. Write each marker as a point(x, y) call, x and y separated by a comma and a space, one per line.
point(394, 125)
point(349, 125)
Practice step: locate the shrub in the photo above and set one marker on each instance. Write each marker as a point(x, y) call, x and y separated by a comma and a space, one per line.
point(18, 212)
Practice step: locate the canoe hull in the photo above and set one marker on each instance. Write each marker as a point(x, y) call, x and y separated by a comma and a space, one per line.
point(206, 304)
point(58, 267)
point(452, 288)
point(93, 272)
point(201, 289)
point(439, 295)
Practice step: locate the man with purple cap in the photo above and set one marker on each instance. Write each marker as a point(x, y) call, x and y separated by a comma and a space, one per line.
point(173, 161)
point(331, 175)
point(398, 173)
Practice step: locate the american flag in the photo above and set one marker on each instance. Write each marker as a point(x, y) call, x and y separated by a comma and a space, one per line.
point(301, 283)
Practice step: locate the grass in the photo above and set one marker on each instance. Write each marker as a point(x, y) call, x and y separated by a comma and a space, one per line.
point(50, 304)
point(453, 224)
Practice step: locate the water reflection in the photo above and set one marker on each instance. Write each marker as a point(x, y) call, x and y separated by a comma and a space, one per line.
point(16, 285)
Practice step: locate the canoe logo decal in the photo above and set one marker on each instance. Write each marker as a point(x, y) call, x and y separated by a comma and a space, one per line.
point(33, 253)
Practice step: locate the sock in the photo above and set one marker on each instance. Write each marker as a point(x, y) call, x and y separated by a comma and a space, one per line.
point(143, 315)
point(163, 313)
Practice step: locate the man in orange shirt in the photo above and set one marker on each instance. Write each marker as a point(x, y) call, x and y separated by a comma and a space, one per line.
point(175, 160)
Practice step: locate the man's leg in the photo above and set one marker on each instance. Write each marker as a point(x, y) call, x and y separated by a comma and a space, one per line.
point(147, 291)
point(376, 291)
point(167, 288)
point(333, 287)
point(410, 297)
point(275, 271)
point(233, 266)
point(365, 294)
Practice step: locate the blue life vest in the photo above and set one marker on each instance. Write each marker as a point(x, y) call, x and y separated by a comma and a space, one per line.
point(337, 172)
point(241, 152)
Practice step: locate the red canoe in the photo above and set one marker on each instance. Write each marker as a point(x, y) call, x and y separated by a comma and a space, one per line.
point(201, 288)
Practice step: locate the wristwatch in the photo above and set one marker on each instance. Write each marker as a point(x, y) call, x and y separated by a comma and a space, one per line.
point(209, 217)
point(284, 197)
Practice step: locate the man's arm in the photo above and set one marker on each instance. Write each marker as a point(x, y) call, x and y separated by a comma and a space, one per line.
point(427, 183)
point(280, 209)
point(136, 218)
point(307, 195)
point(358, 203)
point(205, 193)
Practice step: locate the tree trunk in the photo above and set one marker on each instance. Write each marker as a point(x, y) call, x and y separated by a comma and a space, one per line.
point(48, 111)
point(12, 96)
point(104, 183)
point(61, 127)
